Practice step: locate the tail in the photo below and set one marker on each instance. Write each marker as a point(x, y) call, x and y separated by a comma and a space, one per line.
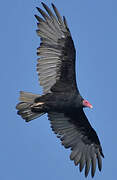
point(25, 106)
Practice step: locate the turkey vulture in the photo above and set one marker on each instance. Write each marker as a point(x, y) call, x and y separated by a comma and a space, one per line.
point(61, 98)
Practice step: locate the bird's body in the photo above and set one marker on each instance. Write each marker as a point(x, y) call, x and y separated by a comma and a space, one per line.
point(63, 102)
point(61, 98)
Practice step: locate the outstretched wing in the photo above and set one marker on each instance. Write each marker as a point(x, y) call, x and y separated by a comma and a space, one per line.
point(76, 133)
point(56, 65)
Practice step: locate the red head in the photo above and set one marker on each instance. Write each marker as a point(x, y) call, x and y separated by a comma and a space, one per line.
point(87, 104)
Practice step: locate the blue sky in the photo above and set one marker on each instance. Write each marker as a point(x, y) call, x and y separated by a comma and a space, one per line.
point(31, 150)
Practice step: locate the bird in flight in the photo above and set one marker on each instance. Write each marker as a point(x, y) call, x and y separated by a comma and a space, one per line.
point(61, 99)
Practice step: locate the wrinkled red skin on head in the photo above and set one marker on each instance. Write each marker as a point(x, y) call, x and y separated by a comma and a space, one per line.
point(87, 104)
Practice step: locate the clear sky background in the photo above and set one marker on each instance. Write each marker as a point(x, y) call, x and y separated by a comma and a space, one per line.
point(31, 150)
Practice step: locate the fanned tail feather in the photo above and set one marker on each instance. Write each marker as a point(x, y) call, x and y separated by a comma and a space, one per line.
point(24, 107)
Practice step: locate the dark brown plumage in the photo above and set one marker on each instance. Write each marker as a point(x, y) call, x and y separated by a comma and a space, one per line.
point(61, 98)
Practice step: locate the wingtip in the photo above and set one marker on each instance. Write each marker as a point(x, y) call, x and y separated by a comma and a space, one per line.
point(38, 9)
point(101, 152)
point(92, 173)
point(102, 155)
point(53, 5)
point(43, 4)
point(86, 174)
point(36, 17)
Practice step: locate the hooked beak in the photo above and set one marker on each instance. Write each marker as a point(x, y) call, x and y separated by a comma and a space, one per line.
point(87, 104)
point(91, 106)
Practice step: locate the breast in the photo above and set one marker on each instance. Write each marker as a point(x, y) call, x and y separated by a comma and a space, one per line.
point(62, 102)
